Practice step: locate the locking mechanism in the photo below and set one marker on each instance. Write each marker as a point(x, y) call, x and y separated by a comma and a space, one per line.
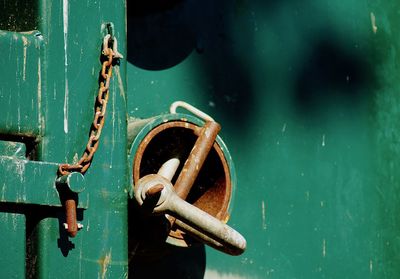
point(182, 170)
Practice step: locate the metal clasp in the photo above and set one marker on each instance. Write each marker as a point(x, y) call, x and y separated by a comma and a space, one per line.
point(106, 48)
point(155, 192)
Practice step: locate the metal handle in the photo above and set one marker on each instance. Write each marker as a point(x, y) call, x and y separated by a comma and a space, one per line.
point(157, 194)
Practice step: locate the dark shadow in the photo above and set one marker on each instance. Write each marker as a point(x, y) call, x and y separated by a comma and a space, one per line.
point(160, 33)
point(64, 242)
point(34, 214)
point(148, 234)
point(160, 36)
point(229, 87)
point(332, 75)
point(227, 77)
point(151, 257)
point(191, 265)
point(19, 15)
point(144, 8)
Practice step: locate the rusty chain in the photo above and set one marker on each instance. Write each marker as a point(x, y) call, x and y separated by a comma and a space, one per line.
point(100, 110)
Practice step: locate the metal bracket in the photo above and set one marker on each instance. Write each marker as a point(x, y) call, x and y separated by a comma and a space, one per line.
point(19, 177)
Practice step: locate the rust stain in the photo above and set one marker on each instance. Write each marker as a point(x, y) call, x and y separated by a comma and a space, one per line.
point(104, 263)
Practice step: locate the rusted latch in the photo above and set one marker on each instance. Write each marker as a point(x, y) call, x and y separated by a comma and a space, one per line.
point(66, 171)
point(69, 186)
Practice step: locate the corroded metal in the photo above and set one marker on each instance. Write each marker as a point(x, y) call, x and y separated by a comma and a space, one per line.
point(154, 190)
point(70, 212)
point(70, 185)
point(95, 132)
point(100, 110)
point(196, 158)
point(215, 200)
point(212, 196)
point(193, 219)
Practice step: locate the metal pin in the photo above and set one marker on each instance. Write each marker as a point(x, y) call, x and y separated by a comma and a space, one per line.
point(196, 158)
point(70, 214)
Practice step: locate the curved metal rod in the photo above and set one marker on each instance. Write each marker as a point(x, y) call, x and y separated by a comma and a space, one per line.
point(191, 219)
point(196, 220)
point(192, 109)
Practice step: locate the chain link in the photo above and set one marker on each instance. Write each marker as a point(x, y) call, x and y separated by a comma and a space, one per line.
point(100, 111)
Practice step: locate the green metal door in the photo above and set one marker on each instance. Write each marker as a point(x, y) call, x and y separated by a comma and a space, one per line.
point(307, 93)
point(47, 95)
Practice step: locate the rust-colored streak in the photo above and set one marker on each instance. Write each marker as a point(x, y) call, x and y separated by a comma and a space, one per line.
point(104, 263)
point(99, 117)
point(156, 189)
point(196, 158)
point(70, 212)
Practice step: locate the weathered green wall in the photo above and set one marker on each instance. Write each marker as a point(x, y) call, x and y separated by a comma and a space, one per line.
point(47, 91)
point(307, 93)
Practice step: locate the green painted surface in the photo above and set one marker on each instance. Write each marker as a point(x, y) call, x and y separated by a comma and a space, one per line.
point(47, 94)
point(72, 67)
point(13, 234)
point(13, 149)
point(307, 95)
point(28, 182)
point(21, 75)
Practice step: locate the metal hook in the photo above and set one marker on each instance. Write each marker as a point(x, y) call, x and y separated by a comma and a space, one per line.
point(190, 218)
point(106, 40)
point(191, 109)
point(115, 49)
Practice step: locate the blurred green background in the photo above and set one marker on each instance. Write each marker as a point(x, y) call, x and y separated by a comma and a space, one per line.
point(308, 96)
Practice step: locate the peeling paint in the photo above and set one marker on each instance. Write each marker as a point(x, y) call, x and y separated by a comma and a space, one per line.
point(373, 23)
point(307, 195)
point(104, 263)
point(120, 82)
point(214, 274)
point(264, 222)
point(19, 117)
point(20, 168)
point(76, 158)
point(25, 43)
point(371, 266)
point(3, 191)
point(65, 29)
point(39, 92)
point(15, 221)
